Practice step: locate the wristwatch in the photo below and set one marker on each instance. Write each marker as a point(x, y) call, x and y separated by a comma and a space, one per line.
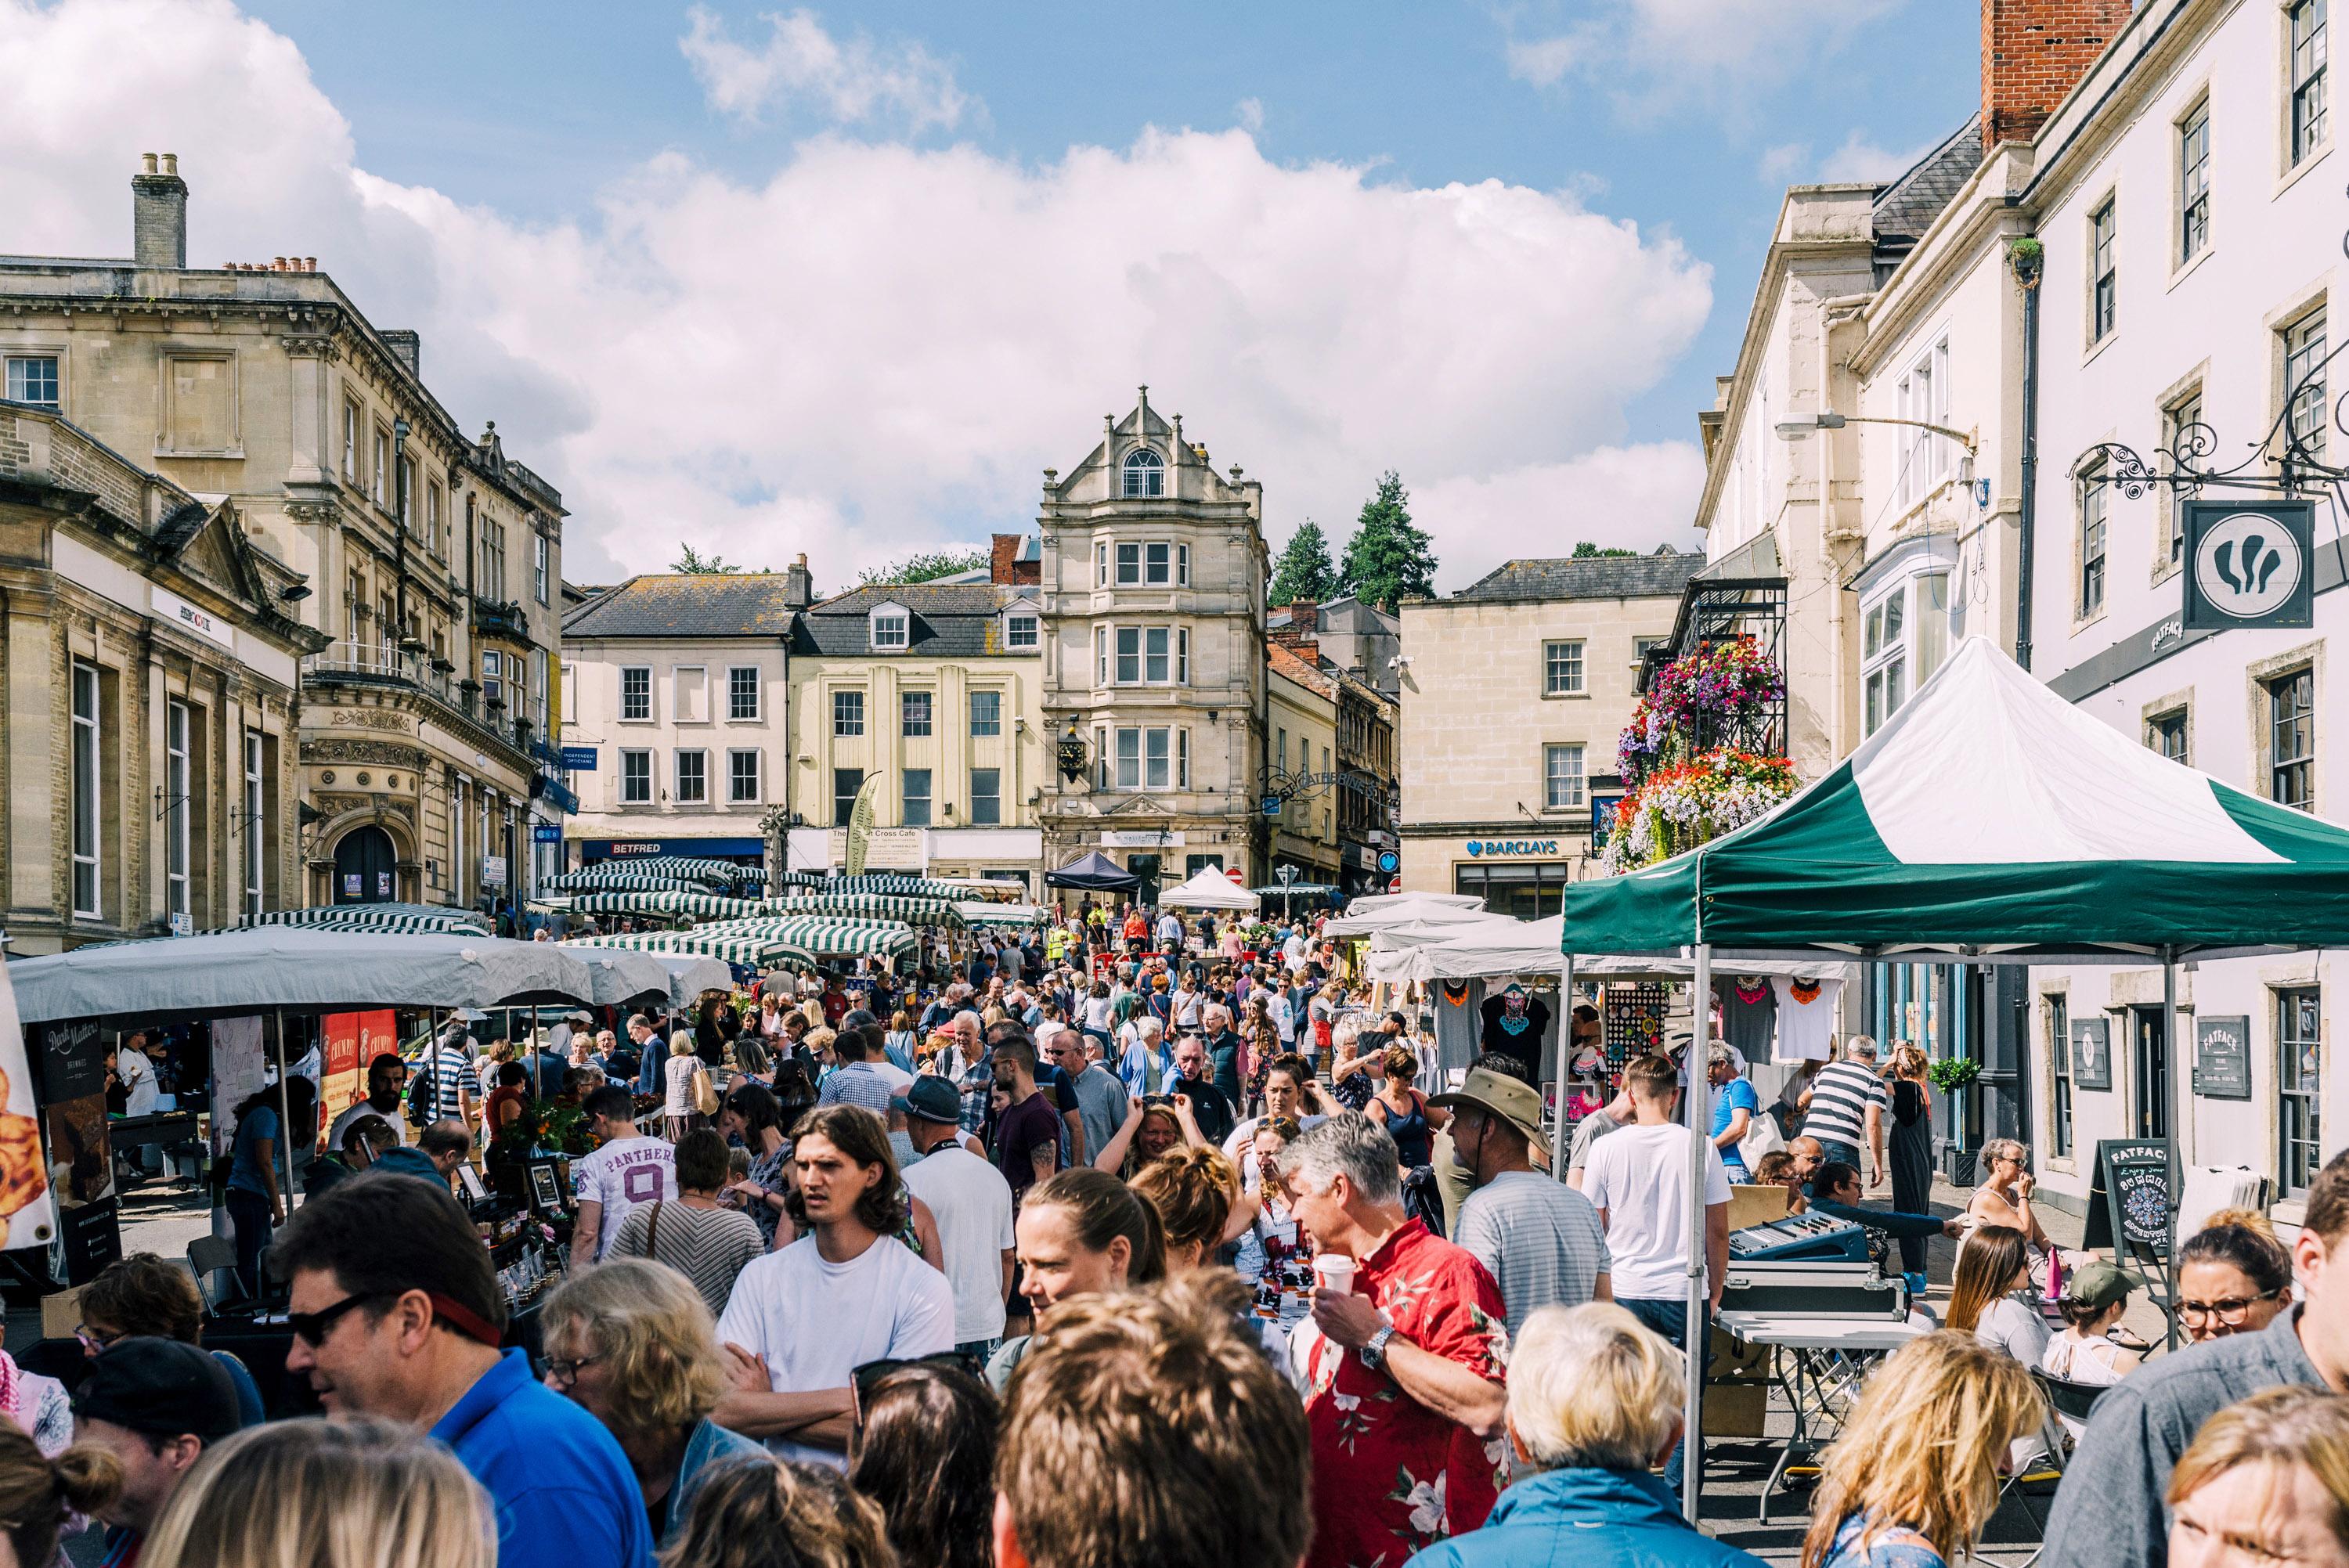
point(1374, 1349)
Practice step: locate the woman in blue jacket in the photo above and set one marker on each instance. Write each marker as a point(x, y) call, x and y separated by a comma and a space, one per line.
point(1595, 1401)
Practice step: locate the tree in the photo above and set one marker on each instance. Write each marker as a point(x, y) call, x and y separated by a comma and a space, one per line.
point(1304, 570)
point(924, 566)
point(1388, 558)
point(1586, 551)
point(691, 563)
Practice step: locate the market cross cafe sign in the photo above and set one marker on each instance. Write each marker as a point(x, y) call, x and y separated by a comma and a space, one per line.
point(2250, 565)
point(1492, 848)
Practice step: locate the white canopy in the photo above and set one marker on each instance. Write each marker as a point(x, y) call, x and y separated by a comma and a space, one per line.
point(297, 969)
point(1393, 910)
point(1486, 948)
point(617, 971)
point(1209, 889)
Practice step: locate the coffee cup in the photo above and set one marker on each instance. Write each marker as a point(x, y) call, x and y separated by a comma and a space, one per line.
point(1334, 1272)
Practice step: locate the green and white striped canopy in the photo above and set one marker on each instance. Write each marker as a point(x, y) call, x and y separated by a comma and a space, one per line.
point(925, 887)
point(831, 936)
point(748, 949)
point(595, 879)
point(869, 905)
point(396, 919)
point(1990, 820)
point(666, 903)
point(1002, 914)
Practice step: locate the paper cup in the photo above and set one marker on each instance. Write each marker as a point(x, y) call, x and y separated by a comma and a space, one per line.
point(1334, 1272)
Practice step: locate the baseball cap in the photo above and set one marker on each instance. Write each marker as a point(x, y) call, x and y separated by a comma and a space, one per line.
point(2098, 1284)
point(159, 1387)
point(933, 1098)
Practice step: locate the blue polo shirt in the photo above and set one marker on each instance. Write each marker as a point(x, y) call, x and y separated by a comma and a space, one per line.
point(564, 1494)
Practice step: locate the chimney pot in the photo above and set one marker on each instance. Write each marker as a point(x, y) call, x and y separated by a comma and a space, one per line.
point(172, 163)
point(159, 215)
point(147, 161)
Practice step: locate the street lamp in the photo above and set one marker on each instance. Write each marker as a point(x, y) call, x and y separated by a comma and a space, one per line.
point(1828, 420)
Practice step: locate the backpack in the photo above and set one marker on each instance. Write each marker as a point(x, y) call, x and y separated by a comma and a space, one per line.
point(423, 1093)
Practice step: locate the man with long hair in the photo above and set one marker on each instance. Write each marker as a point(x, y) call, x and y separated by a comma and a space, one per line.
point(849, 1290)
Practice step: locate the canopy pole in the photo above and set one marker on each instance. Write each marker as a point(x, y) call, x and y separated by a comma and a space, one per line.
point(2169, 1036)
point(284, 1115)
point(1564, 1062)
point(1694, 1335)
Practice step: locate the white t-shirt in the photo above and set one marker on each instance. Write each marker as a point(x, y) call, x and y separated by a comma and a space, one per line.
point(396, 1115)
point(898, 1079)
point(1804, 1026)
point(1638, 1177)
point(971, 1203)
point(137, 1075)
point(813, 1323)
point(621, 1175)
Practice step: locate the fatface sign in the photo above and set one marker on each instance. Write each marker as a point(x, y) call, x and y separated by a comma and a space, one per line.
point(2249, 564)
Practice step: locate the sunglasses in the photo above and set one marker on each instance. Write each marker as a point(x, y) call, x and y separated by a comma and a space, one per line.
point(312, 1327)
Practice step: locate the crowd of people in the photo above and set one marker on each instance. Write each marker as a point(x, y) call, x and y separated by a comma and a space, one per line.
point(869, 1275)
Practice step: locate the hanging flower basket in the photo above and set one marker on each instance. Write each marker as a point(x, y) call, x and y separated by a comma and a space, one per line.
point(1712, 688)
point(1680, 807)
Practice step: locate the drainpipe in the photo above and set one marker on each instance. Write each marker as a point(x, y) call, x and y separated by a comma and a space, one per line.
point(1831, 313)
point(2026, 256)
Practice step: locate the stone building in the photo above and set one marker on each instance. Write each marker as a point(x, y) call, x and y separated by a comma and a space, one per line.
point(1352, 646)
point(1515, 690)
point(427, 559)
point(1302, 703)
point(1154, 578)
point(146, 743)
point(937, 688)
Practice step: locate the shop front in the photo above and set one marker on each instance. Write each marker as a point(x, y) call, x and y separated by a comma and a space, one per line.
point(741, 851)
point(1523, 878)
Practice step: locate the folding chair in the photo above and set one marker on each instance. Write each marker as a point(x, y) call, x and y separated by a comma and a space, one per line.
point(2040, 1477)
point(209, 1256)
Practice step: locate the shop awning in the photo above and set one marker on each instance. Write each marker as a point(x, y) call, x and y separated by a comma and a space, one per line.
point(868, 906)
point(950, 888)
point(408, 919)
point(749, 951)
point(828, 937)
point(667, 904)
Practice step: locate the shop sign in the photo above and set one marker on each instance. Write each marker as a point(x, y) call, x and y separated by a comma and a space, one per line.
point(2092, 1055)
point(2222, 1057)
point(1146, 839)
point(579, 759)
point(2249, 564)
point(493, 870)
point(184, 924)
point(1491, 849)
point(202, 623)
point(2129, 1197)
point(1390, 862)
point(546, 833)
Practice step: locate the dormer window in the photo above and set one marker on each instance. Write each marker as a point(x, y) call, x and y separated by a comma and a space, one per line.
point(1023, 628)
point(892, 628)
point(1146, 474)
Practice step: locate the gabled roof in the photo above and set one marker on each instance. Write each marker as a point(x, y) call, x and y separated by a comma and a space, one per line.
point(1659, 576)
point(1294, 668)
point(1906, 207)
point(949, 620)
point(714, 604)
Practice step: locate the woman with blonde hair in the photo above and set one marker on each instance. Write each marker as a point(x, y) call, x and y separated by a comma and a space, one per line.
point(325, 1494)
point(38, 1491)
point(632, 1344)
point(765, 1512)
point(679, 1072)
point(1595, 1402)
point(2266, 1481)
point(1196, 1191)
point(1914, 1476)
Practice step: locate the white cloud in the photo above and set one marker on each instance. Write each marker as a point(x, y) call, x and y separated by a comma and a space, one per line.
point(1860, 160)
point(876, 349)
point(1650, 55)
point(1628, 496)
point(1249, 113)
point(1778, 164)
point(802, 63)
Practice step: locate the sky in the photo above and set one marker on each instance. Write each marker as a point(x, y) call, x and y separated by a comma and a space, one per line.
point(843, 279)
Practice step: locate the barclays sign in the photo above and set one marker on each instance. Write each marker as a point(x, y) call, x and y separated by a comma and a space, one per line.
point(1486, 848)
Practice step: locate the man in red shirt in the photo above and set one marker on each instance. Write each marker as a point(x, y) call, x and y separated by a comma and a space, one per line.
point(1028, 1132)
point(1406, 1397)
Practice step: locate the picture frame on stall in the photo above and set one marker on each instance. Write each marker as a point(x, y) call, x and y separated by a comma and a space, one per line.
point(469, 1185)
point(546, 1186)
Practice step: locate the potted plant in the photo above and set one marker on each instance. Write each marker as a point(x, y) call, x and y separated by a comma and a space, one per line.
point(1954, 1075)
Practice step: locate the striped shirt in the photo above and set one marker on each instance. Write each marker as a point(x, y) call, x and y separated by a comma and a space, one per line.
point(1539, 1238)
point(451, 1071)
point(707, 1246)
point(1840, 1097)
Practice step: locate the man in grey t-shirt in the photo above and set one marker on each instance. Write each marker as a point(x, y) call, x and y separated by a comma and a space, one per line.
point(1101, 1094)
point(1539, 1239)
point(1617, 1112)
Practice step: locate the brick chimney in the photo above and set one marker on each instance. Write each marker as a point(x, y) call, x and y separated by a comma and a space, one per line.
point(2032, 53)
point(159, 214)
point(407, 347)
point(799, 585)
point(1004, 564)
point(1303, 632)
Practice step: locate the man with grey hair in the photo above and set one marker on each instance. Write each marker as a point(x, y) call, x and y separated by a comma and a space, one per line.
point(1417, 1331)
point(1735, 1106)
point(1848, 1103)
point(1224, 1048)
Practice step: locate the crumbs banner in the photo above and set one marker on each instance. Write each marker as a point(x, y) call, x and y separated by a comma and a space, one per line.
point(25, 1202)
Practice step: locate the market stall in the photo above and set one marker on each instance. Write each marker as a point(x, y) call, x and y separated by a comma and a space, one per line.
point(666, 903)
point(746, 950)
point(1209, 889)
point(951, 887)
point(397, 919)
point(1093, 872)
point(1384, 912)
point(905, 907)
point(1987, 822)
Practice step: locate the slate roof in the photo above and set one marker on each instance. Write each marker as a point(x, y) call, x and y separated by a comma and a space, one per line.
point(1907, 208)
point(950, 620)
point(748, 604)
point(1659, 576)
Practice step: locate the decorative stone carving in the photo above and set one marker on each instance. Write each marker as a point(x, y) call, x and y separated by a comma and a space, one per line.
point(366, 718)
point(411, 757)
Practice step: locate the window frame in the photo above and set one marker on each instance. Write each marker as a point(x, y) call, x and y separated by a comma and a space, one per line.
point(626, 697)
point(987, 805)
point(543, 554)
point(15, 386)
point(844, 802)
point(700, 796)
point(735, 757)
point(908, 702)
point(2104, 269)
point(908, 815)
point(2302, 341)
point(890, 629)
point(178, 838)
point(1552, 752)
point(2057, 1008)
point(2308, 120)
point(633, 775)
point(994, 721)
point(86, 779)
point(2298, 1105)
point(1013, 623)
point(1137, 463)
point(2171, 723)
point(254, 859)
point(2177, 415)
point(2092, 542)
point(848, 713)
point(735, 713)
point(1565, 667)
point(2297, 770)
point(2191, 236)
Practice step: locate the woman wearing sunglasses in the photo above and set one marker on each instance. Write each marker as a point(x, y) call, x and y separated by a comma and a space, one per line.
point(632, 1344)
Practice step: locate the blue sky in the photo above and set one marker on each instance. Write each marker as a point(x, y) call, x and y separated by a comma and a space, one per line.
point(874, 276)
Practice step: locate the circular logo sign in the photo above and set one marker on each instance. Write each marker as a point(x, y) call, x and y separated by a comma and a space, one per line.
point(2247, 565)
point(1390, 862)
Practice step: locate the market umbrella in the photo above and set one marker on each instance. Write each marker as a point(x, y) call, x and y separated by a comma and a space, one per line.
point(1988, 820)
point(1390, 910)
point(395, 918)
point(622, 977)
point(1093, 872)
point(835, 938)
point(1208, 888)
point(287, 967)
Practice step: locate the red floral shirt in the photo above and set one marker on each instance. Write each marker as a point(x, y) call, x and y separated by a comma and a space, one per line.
point(1390, 1475)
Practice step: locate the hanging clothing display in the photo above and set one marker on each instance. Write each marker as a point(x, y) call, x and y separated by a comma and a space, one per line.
point(1514, 1022)
point(1806, 1018)
point(1749, 1013)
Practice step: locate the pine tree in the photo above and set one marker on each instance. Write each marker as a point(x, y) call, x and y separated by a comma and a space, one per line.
point(693, 563)
point(1388, 558)
point(1304, 570)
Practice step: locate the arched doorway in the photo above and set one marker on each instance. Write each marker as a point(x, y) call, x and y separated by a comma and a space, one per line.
point(364, 868)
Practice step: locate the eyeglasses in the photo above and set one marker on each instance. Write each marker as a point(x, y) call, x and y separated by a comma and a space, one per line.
point(565, 1369)
point(312, 1328)
point(2231, 1311)
point(92, 1338)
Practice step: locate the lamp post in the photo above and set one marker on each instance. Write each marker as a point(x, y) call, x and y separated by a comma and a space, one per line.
point(1794, 429)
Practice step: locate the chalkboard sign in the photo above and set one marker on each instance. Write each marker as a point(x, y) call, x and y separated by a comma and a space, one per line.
point(2092, 1052)
point(73, 1062)
point(2222, 1057)
point(2128, 1202)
